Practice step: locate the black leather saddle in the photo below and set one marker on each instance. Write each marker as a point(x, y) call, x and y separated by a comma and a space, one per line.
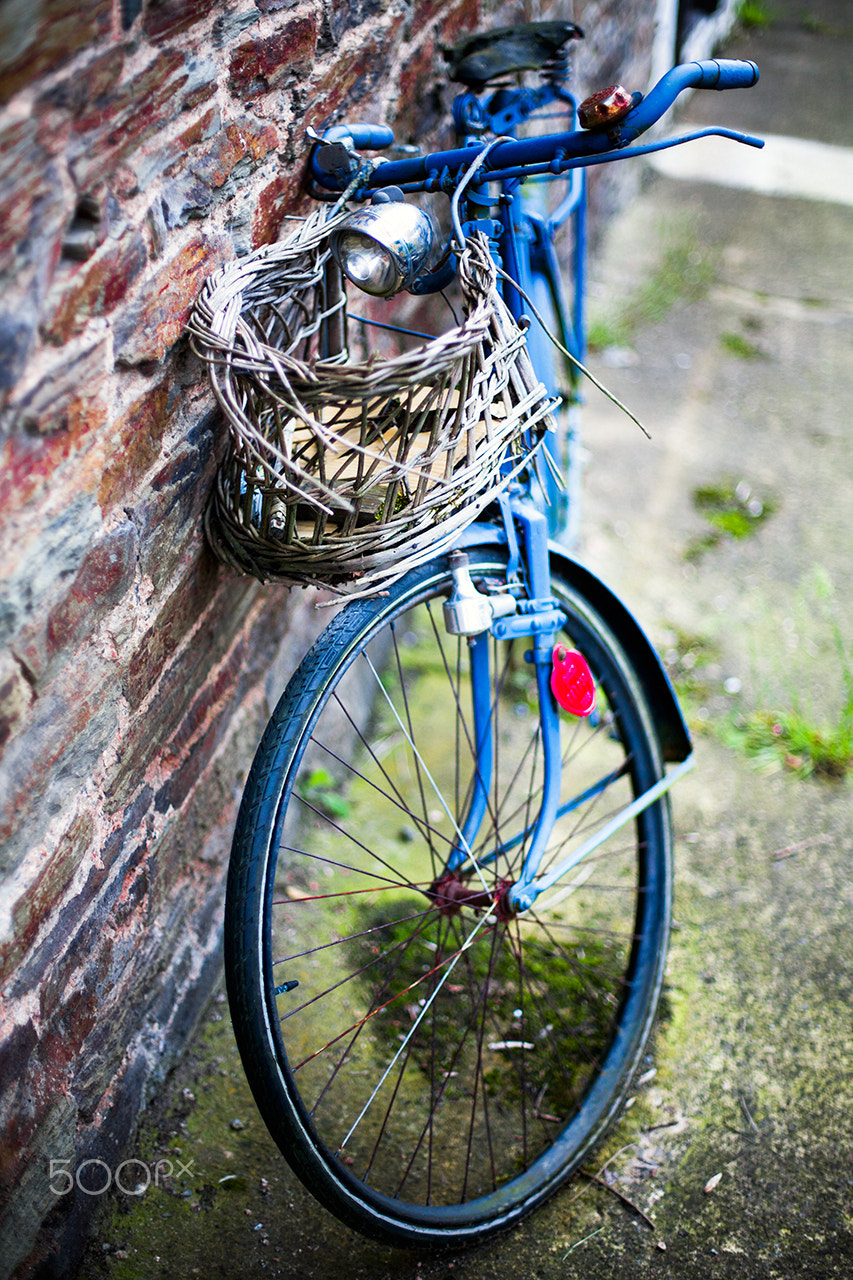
point(480, 58)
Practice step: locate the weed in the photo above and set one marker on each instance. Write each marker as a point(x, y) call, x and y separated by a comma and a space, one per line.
point(790, 739)
point(816, 26)
point(732, 509)
point(737, 345)
point(786, 739)
point(754, 15)
point(321, 791)
point(684, 274)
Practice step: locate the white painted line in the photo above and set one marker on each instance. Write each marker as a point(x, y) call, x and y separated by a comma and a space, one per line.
point(784, 167)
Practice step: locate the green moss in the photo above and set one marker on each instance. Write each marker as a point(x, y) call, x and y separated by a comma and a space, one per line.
point(733, 510)
point(754, 15)
point(737, 345)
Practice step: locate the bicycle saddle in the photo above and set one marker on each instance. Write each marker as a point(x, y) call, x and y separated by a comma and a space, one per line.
point(482, 57)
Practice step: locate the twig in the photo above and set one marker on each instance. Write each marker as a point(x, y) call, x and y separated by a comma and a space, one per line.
point(594, 1177)
point(791, 849)
point(746, 1112)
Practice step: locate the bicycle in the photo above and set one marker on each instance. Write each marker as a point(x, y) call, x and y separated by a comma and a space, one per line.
point(449, 894)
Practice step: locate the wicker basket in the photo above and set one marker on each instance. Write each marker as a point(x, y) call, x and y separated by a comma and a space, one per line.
point(346, 474)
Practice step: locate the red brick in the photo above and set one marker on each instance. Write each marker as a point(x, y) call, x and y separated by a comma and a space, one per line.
point(154, 321)
point(285, 194)
point(165, 19)
point(260, 64)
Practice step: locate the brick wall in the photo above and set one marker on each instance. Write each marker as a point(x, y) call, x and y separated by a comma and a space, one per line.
point(142, 143)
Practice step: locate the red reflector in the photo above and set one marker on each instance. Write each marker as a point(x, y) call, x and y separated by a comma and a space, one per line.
point(571, 681)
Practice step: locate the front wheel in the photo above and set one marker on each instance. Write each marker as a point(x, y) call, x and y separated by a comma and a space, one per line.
point(433, 1066)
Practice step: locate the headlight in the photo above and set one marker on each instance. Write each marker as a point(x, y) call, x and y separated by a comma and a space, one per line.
point(384, 247)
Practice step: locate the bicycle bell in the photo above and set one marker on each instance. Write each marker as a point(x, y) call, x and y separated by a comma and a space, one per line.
point(383, 247)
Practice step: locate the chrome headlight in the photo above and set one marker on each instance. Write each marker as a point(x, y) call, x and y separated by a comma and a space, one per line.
point(384, 247)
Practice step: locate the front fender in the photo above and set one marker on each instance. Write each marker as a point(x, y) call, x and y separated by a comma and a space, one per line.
point(672, 730)
point(670, 724)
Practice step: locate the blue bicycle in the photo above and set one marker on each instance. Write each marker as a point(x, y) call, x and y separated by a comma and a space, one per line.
point(449, 895)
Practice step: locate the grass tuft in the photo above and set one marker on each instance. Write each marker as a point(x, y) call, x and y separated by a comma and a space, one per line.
point(684, 274)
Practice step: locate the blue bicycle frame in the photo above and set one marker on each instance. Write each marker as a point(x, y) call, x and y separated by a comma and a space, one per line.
point(522, 239)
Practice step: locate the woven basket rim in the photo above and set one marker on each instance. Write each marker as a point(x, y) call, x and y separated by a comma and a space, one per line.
point(216, 325)
point(405, 488)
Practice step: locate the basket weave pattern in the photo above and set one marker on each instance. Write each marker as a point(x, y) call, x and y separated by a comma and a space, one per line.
point(347, 474)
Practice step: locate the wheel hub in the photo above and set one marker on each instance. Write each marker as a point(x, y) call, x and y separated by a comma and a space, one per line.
point(451, 893)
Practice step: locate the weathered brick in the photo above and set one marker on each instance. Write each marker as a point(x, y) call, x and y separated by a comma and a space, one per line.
point(236, 141)
point(36, 564)
point(19, 1045)
point(261, 64)
point(46, 36)
point(169, 516)
point(159, 156)
point(421, 108)
point(165, 19)
point(89, 84)
point(141, 666)
point(154, 320)
point(34, 907)
point(71, 393)
point(105, 575)
point(109, 131)
point(44, 769)
point(343, 18)
point(136, 442)
point(459, 19)
point(95, 288)
point(16, 695)
point(353, 75)
point(285, 194)
point(35, 205)
point(192, 595)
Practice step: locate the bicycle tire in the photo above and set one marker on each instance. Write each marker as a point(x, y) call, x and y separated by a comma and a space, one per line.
point(527, 1047)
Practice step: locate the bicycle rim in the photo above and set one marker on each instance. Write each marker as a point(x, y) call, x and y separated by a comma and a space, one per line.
point(431, 1067)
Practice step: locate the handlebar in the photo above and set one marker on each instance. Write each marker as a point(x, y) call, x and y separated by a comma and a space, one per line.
point(712, 73)
point(538, 154)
